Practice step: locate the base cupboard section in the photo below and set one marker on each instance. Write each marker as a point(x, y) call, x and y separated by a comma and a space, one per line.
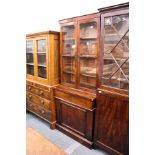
point(75, 121)
point(112, 122)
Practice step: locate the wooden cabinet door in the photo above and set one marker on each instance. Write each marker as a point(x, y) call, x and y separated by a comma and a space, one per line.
point(112, 122)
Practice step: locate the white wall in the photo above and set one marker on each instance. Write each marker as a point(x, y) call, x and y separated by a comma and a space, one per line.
point(44, 15)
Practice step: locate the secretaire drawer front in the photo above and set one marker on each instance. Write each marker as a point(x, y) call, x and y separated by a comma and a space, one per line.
point(82, 102)
point(39, 91)
point(46, 114)
point(39, 100)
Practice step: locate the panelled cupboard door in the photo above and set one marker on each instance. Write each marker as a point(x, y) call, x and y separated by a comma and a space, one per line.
point(112, 122)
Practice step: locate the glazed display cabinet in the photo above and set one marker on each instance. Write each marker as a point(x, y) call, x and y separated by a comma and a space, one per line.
point(112, 111)
point(42, 67)
point(76, 95)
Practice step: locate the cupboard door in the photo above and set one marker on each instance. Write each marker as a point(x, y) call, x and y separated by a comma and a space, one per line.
point(30, 57)
point(68, 54)
point(115, 72)
point(88, 54)
point(41, 58)
point(112, 122)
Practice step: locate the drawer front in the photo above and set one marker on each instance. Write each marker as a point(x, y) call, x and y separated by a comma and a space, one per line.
point(82, 102)
point(38, 100)
point(46, 114)
point(38, 91)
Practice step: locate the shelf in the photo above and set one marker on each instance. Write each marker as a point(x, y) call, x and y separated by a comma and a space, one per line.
point(66, 39)
point(42, 65)
point(41, 52)
point(32, 64)
point(116, 79)
point(67, 55)
point(88, 38)
point(88, 56)
point(29, 52)
point(88, 75)
point(68, 72)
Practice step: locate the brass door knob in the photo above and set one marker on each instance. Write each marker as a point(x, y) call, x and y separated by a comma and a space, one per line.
point(42, 111)
point(99, 91)
point(30, 96)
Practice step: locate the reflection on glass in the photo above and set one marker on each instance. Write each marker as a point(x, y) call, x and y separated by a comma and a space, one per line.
point(41, 57)
point(68, 56)
point(88, 52)
point(42, 72)
point(30, 69)
point(116, 52)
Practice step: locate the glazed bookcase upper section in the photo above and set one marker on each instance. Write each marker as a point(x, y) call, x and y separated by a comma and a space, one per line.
point(114, 48)
point(79, 46)
point(42, 57)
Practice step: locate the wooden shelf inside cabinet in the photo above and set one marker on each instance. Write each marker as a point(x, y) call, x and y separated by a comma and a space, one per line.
point(32, 64)
point(68, 72)
point(68, 55)
point(88, 75)
point(88, 38)
point(88, 56)
point(42, 65)
point(68, 39)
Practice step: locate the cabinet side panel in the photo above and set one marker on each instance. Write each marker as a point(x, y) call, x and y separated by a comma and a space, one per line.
point(56, 61)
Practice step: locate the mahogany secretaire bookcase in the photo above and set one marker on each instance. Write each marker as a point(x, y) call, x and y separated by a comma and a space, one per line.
point(112, 106)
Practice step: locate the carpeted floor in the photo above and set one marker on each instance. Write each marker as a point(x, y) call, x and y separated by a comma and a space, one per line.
point(70, 146)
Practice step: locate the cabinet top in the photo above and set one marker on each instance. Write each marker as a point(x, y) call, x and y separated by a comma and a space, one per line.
point(114, 7)
point(42, 33)
point(96, 14)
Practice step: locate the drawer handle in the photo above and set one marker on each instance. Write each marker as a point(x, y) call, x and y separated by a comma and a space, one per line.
point(29, 87)
point(42, 101)
point(30, 96)
point(41, 92)
point(42, 111)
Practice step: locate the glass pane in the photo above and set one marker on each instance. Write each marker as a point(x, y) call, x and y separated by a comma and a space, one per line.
point(29, 46)
point(68, 56)
point(29, 57)
point(41, 57)
point(30, 69)
point(42, 72)
point(116, 52)
point(88, 52)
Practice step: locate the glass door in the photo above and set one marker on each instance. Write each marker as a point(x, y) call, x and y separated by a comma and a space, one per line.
point(30, 57)
point(88, 54)
point(41, 58)
point(116, 51)
point(68, 54)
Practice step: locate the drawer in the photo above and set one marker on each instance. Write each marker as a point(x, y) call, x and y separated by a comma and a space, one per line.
point(39, 91)
point(46, 114)
point(38, 100)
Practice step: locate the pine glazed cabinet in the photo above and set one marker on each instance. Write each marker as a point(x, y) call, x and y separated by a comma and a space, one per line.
point(76, 95)
point(112, 106)
point(42, 74)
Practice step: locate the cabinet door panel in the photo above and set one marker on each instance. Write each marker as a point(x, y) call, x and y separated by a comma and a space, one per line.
point(88, 54)
point(73, 117)
point(68, 54)
point(41, 58)
point(112, 122)
point(115, 72)
point(30, 57)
